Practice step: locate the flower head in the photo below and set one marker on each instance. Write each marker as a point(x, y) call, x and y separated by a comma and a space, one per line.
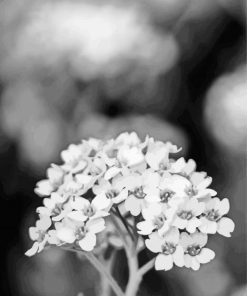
point(152, 197)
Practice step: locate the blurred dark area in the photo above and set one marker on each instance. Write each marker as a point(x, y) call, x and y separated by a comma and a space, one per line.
point(175, 70)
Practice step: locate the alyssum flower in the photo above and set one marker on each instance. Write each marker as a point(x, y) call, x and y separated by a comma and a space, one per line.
point(125, 191)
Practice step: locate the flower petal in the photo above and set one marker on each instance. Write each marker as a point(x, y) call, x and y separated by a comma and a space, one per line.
point(195, 265)
point(225, 226)
point(96, 225)
point(199, 238)
point(185, 240)
point(101, 202)
point(145, 227)
point(154, 242)
point(133, 205)
point(224, 206)
point(43, 188)
point(33, 250)
point(187, 260)
point(180, 223)
point(112, 172)
point(208, 226)
point(44, 223)
point(66, 235)
point(77, 215)
point(79, 203)
point(178, 256)
point(163, 262)
point(88, 242)
point(205, 255)
point(193, 224)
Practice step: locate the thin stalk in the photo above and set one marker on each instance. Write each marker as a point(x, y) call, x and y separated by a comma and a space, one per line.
point(146, 267)
point(124, 223)
point(109, 264)
point(101, 269)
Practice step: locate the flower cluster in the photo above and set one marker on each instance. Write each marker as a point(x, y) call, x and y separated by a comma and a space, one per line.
point(161, 199)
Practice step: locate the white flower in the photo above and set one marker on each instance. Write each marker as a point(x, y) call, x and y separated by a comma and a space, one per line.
point(134, 178)
point(83, 209)
point(171, 190)
point(186, 217)
point(182, 167)
point(86, 181)
point(82, 233)
point(194, 251)
point(128, 139)
point(55, 178)
point(170, 252)
point(157, 217)
point(213, 221)
point(97, 167)
point(39, 235)
point(139, 189)
point(157, 156)
point(113, 191)
point(56, 207)
point(73, 159)
point(130, 156)
point(199, 184)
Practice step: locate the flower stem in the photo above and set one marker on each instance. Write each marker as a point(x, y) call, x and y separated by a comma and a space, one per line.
point(146, 267)
point(124, 223)
point(101, 269)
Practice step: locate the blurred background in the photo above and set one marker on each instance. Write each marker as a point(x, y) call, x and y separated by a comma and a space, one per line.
point(70, 69)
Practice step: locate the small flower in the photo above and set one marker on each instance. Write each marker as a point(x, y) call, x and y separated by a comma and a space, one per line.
point(170, 252)
point(39, 235)
point(85, 181)
point(82, 233)
point(83, 209)
point(128, 139)
point(113, 191)
point(171, 190)
point(73, 159)
point(199, 184)
point(186, 217)
point(96, 168)
point(213, 221)
point(157, 217)
point(182, 167)
point(139, 187)
point(194, 251)
point(55, 178)
point(130, 156)
point(56, 207)
point(157, 156)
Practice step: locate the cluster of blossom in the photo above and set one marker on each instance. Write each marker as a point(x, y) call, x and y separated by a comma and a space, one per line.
point(170, 204)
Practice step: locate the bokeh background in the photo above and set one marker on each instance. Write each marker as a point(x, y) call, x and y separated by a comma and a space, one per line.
point(70, 69)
